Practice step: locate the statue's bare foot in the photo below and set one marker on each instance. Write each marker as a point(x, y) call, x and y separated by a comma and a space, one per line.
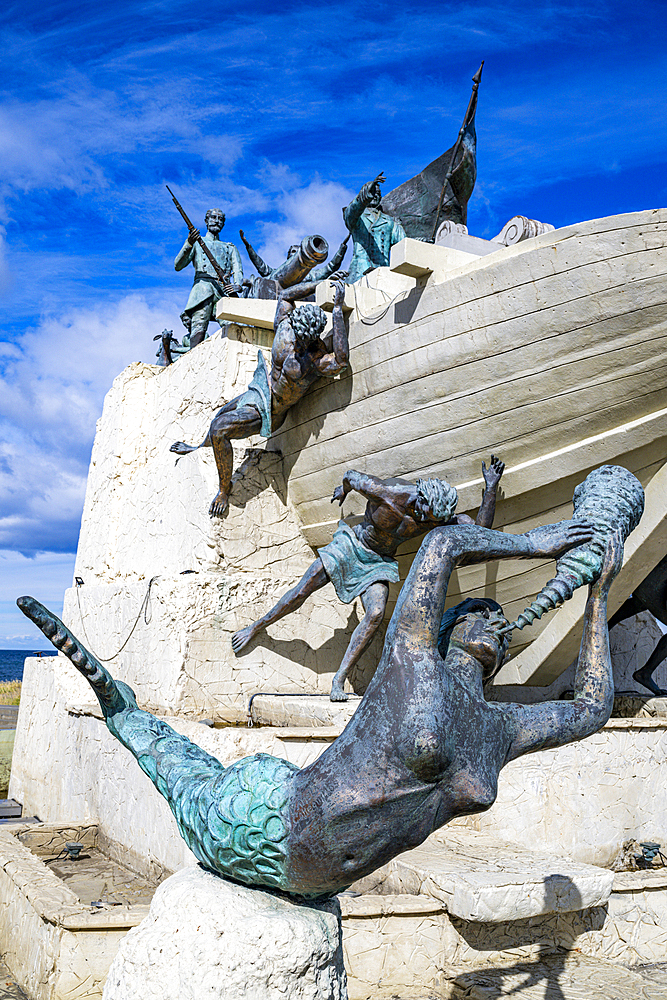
point(337, 693)
point(644, 677)
point(219, 505)
point(245, 635)
point(181, 448)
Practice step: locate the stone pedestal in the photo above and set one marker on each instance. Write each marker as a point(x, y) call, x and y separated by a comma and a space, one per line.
point(206, 937)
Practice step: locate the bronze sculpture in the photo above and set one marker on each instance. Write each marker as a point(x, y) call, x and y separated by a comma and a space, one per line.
point(208, 287)
point(650, 595)
point(373, 232)
point(360, 561)
point(298, 358)
point(256, 288)
point(610, 499)
point(423, 747)
point(440, 193)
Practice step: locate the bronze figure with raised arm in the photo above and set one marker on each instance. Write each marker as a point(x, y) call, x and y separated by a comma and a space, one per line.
point(360, 561)
point(423, 747)
point(299, 357)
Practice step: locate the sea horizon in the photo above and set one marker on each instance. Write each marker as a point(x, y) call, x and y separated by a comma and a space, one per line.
point(11, 662)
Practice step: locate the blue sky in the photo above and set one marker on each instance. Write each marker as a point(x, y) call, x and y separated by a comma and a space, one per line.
point(276, 113)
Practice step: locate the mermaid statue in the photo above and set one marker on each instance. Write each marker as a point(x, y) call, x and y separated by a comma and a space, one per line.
point(423, 747)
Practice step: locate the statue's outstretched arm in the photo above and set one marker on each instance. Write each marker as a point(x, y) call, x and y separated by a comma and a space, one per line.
point(331, 265)
point(371, 488)
point(354, 210)
point(263, 268)
point(331, 364)
point(492, 476)
point(418, 613)
point(554, 723)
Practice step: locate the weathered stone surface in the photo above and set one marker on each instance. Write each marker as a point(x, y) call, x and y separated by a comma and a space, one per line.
point(54, 946)
point(583, 800)
point(206, 937)
point(306, 710)
point(478, 878)
point(559, 977)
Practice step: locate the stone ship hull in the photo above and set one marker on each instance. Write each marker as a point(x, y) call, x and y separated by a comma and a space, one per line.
point(551, 353)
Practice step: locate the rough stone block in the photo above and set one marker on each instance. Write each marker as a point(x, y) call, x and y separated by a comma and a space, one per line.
point(481, 879)
point(206, 937)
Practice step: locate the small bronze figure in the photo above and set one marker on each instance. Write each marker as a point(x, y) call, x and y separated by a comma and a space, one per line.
point(298, 357)
point(373, 232)
point(208, 287)
point(650, 595)
point(169, 346)
point(423, 746)
point(360, 561)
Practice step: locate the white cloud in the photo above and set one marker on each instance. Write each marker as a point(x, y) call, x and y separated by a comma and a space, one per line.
point(315, 208)
point(51, 395)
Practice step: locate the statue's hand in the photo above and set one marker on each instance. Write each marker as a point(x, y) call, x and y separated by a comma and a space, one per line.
point(380, 179)
point(493, 474)
point(193, 236)
point(338, 285)
point(613, 560)
point(230, 288)
point(551, 540)
point(339, 495)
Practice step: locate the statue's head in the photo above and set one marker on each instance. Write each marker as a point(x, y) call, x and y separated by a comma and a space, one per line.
point(435, 501)
point(308, 322)
point(473, 625)
point(215, 220)
point(376, 196)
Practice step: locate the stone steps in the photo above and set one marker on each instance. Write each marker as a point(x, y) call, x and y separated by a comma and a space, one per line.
point(566, 976)
point(479, 878)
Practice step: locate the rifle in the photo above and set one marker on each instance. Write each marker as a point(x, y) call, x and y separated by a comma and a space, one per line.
point(466, 121)
point(226, 279)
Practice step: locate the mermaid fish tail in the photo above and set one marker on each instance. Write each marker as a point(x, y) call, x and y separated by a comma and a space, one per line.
point(113, 696)
point(235, 819)
point(611, 499)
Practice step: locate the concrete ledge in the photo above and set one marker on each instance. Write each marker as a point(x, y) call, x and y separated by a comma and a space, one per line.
point(480, 879)
point(417, 259)
point(302, 710)
point(56, 947)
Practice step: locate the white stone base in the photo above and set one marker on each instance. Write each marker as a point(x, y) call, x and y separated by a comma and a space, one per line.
point(206, 937)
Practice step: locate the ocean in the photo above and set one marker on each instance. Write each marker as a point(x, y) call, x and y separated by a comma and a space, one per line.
point(11, 663)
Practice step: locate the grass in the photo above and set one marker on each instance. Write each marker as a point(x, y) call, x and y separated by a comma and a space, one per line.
point(10, 692)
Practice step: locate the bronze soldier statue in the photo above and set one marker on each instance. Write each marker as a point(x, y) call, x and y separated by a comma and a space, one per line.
point(298, 358)
point(360, 561)
point(208, 288)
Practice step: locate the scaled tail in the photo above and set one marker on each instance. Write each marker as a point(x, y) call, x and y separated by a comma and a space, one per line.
point(112, 697)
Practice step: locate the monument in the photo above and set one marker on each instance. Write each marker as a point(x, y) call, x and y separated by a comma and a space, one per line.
point(360, 561)
point(422, 748)
point(534, 347)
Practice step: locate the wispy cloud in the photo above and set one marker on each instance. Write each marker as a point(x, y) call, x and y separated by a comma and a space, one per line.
point(51, 391)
